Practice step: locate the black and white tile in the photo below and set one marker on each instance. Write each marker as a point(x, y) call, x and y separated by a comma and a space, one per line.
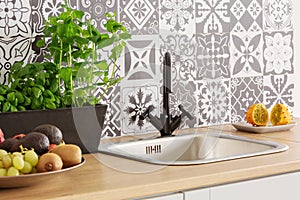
point(141, 17)
point(278, 53)
point(278, 15)
point(246, 54)
point(226, 55)
point(246, 15)
point(245, 92)
point(212, 16)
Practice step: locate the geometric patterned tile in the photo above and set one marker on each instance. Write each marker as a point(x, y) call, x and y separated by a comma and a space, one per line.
point(213, 55)
point(246, 54)
point(213, 97)
point(245, 92)
point(140, 16)
point(15, 18)
point(95, 11)
point(246, 15)
point(278, 14)
point(112, 124)
point(278, 89)
point(278, 53)
point(140, 59)
point(212, 16)
point(177, 16)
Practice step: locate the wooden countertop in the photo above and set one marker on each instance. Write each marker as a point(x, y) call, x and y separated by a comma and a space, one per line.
point(103, 179)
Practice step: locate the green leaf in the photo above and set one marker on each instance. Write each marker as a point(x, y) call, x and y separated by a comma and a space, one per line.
point(13, 108)
point(37, 92)
point(40, 43)
point(20, 97)
point(102, 65)
point(66, 74)
point(41, 79)
point(11, 97)
point(6, 106)
point(125, 36)
point(21, 108)
point(116, 52)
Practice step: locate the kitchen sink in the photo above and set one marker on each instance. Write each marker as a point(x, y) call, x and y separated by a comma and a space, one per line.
point(191, 149)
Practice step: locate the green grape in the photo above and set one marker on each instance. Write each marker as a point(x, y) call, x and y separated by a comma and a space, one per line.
point(6, 161)
point(2, 153)
point(1, 164)
point(18, 162)
point(13, 172)
point(27, 168)
point(31, 157)
point(17, 154)
point(3, 172)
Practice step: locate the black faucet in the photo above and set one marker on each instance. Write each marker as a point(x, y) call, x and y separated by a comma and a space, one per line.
point(166, 124)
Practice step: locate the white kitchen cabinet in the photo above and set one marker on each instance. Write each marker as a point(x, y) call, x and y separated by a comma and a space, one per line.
point(175, 196)
point(280, 187)
point(199, 194)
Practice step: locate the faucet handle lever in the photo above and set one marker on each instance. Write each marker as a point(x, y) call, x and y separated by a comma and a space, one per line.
point(146, 113)
point(185, 113)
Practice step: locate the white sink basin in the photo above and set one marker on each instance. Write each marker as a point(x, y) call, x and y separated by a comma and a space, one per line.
point(190, 149)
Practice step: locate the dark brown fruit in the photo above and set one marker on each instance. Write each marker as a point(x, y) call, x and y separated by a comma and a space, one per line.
point(49, 162)
point(38, 141)
point(52, 132)
point(8, 143)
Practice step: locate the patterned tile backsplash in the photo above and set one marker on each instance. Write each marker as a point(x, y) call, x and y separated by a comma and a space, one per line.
point(226, 55)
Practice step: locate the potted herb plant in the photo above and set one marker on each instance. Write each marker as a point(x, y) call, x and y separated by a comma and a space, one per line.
point(62, 91)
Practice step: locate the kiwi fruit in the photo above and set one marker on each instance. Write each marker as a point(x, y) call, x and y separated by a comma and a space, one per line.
point(69, 153)
point(49, 162)
point(53, 133)
point(36, 140)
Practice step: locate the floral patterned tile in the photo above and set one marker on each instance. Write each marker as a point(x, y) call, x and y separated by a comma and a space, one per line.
point(246, 54)
point(177, 15)
point(213, 55)
point(245, 92)
point(12, 50)
point(213, 99)
point(212, 16)
point(278, 53)
point(140, 16)
point(246, 15)
point(95, 11)
point(183, 51)
point(183, 93)
point(278, 15)
point(134, 101)
point(278, 89)
point(43, 9)
point(15, 18)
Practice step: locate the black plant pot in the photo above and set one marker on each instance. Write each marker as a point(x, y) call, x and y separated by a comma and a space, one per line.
point(80, 126)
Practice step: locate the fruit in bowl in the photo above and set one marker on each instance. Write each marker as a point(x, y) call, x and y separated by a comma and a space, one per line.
point(42, 151)
point(258, 115)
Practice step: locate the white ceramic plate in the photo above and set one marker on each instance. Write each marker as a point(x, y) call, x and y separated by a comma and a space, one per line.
point(31, 179)
point(243, 126)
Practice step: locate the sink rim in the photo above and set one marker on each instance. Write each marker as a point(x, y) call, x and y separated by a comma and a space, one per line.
point(276, 148)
